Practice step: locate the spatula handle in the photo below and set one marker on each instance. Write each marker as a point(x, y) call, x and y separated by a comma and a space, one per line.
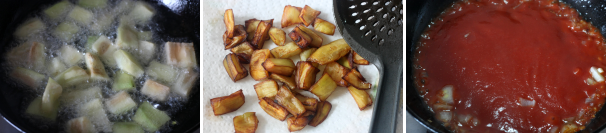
point(388, 98)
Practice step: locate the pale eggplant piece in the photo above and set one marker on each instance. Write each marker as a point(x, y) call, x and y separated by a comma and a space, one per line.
point(70, 55)
point(289, 49)
point(120, 103)
point(127, 63)
point(81, 16)
point(234, 67)
point(127, 37)
point(95, 112)
point(279, 66)
point(308, 15)
point(29, 27)
point(30, 55)
point(105, 49)
point(72, 98)
point(261, 33)
point(278, 36)
point(251, 27)
point(305, 54)
point(257, 72)
point(297, 123)
point(185, 83)
point(358, 59)
point(345, 62)
point(290, 102)
point(354, 79)
point(123, 81)
point(127, 127)
point(330, 52)
point(180, 54)
point(58, 9)
point(155, 90)
point(336, 72)
point(56, 66)
point(287, 81)
point(266, 88)
point(95, 68)
point(305, 76)
point(150, 118)
point(34, 108)
point(80, 125)
point(321, 114)
point(324, 26)
point(324, 87)
point(161, 72)
point(72, 76)
point(273, 109)
point(244, 52)
point(226, 104)
point(309, 103)
point(290, 16)
point(50, 97)
point(141, 12)
point(300, 37)
point(146, 51)
point(239, 37)
point(360, 96)
point(27, 77)
point(228, 19)
point(246, 123)
point(316, 40)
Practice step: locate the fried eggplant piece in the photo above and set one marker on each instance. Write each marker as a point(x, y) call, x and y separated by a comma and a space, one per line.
point(308, 15)
point(355, 79)
point(358, 59)
point(286, 51)
point(336, 72)
point(244, 52)
point(261, 33)
point(298, 123)
point(251, 27)
point(266, 88)
point(257, 71)
point(324, 26)
point(288, 81)
point(305, 76)
point(277, 35)
point(279, 66)
point(246, 123)
point(226, 104)
point(324, 87)
point(305, 54)
point(299, 37)
point(228, 19)
point(234, 67)
point(360, 96)
point(290, 102)
point(316, 40)
point(345, 62)
point(308, 102)
point(273, 109)
point(238, 37)
point(290, 16)
point(330, 52)
point(321, 114)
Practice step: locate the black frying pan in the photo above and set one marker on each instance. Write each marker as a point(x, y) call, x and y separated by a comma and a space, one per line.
point(178, 21)
point(418, 15)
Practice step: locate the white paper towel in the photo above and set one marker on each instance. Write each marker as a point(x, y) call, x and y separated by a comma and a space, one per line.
point(344, 117)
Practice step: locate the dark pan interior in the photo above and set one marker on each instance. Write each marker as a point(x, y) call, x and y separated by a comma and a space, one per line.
point(418, 15)
point(178, 21)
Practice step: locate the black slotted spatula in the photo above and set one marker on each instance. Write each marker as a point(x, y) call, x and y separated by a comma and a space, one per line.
point(373, 28)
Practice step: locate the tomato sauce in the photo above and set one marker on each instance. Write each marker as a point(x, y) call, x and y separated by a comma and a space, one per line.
point(513, 66)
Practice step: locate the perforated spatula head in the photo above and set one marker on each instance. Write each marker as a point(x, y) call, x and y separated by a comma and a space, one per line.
point(374, 30)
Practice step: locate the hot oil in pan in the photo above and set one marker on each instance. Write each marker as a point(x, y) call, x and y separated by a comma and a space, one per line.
point(53, 45)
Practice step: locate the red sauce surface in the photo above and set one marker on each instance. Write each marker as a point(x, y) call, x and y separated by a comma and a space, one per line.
point(495, 53)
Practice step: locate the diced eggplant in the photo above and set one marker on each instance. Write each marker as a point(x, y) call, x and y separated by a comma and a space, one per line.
point(185, 82)
point(262, 33)
point(266, 88)
point(290, 16)
point(127, 37)
point(81, 15)
point(324, 26)
point(50, 98)
point(29, 55)
point(226, 104)
point(66, 31)
point(127, 127)
point(305, 54)
point(239, 37)
point(345, 62)
point(80, 125)
point(324, 87)
point(287, 81)
point(330, 52)
point(146, 51)
point(336, 72)
point(244, 52)
point(27, 77)
point(123, 81)
point(77, 96)
point(58, 9)
point(100, 45)
point(297, 123)
point(290, 102)
point(29, 27)
point(251, 27)
point(309, 103)
point(279, 66)
point(278, 36)
point(358, 59)
point(234, 68)
point(161, 72)
point(127, 63)
point(289, 49)
point(70, 55)
point(301, 38)
point(94, 111)
point(246, 123)
point(95, 68)
point(56, 66)
point(273, 109)
point(34, 108)
point(228, 19)
point(142, 12)
point(308, 15)
point(72, 76)
point(321, 113)
point(105, 49)
point(360, 96)
point(305, 76)
point(92, 3)
point(257, 71)
point(150, 118)
point(120, 103)
point(103, 21)
point(180, 54)
point(354, 79)
point(316, 40)
point(155, 90)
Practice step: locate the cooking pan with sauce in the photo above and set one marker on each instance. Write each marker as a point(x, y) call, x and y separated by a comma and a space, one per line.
point(420, 14)
point(175, 20)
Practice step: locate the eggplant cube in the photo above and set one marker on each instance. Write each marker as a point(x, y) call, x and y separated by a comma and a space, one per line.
point(234, 68)
point(150, 118)
point(120, 103)
point(127, 63)
point(96, 68)
point(155, 90)
point(180, 54)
